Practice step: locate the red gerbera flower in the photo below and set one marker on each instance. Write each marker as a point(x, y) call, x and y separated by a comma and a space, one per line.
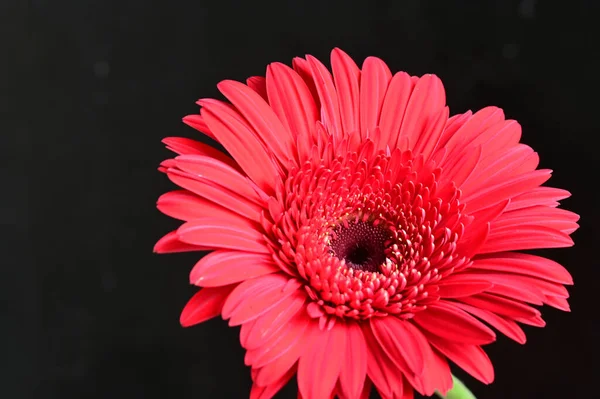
point(361, 236)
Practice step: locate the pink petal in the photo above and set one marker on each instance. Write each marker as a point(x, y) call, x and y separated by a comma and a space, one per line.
point(454, 287)
point(475, 237)
point(500, 136)
point(186, 206)
point(535, 321)
point(183, 146)
point(525, 237)
point(505, 326)
point(283, 352)
point(427, 100)
point(328, 97)
point(223, 267)
point(393, 108)
point(373, 85)
point(460, 169)
point(346, 76)
point(466, 136)
point(261, 117)
point(219, 173)
point(320, 364)
point(241, 142)
point(449, 322)
point(273, 320)
point(205, 304)
point(259, 85)
point(198, 123)
point(490, 195)
point(291, 100)
point(216, 194)
point(354, 365)
point(548, 196)
point(302, 68)
point(558, 303)
point(500, 166)
point(400, 340)
point(437, 376)
point(470, 358)
point(502, 306)
point(524, 288)
point(267, 392)
point(382, 371)
point(489, 214)
point(511, 286)
point(254, 297)
point(170, 243)
point(428, 142)
point(525, 264)
point(454, 124)
point(554, 218)
point(245, 332)
point(210, 232)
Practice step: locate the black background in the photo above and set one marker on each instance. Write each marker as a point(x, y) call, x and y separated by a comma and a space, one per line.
point(90, 87)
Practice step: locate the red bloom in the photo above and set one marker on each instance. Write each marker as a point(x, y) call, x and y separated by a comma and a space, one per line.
point(362, 237)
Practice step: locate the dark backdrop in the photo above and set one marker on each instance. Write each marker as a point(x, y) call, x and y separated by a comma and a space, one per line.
point(90, 87)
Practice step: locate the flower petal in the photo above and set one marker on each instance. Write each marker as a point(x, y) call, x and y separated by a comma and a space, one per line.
point(197, 122)
point(454, 287)
point(548, 196)
point(374, 82)
point(502, 306)
point(186, 206)
point(272, 321)
point(215, 193)
point(505, 326)
point(382, 371)
point(490, 195)
point(291, 100)
point(171, 243)
point(254, 297)
point(318, 370)
point(524, 237)
point(346, 76)
point(554, 218)
point(261, 117)
point(267, 392)
point(211, 233)
point(449, 322)
point(428, 141)
point(437, 376)
point(259, 85)
point(329, 98)
point(525, 264)
point(400, 340)
point(467, 135)
point(302, 68)
point(426, 101)
point(224, 267)
point(354, 365)
point(241, 142)
point(184, 146)
point(470, 358)
point(282, 352)
point(205, 304)
point(219, 173)
point(393, 108)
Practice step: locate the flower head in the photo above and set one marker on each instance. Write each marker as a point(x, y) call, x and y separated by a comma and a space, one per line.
point(362, 237)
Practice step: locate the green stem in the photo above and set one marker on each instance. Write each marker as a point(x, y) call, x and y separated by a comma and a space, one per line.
point(458, 391)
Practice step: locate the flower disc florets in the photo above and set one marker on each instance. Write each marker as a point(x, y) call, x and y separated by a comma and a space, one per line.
point(368, 233)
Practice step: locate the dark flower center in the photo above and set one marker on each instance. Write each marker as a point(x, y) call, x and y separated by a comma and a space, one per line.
point(360, 244)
